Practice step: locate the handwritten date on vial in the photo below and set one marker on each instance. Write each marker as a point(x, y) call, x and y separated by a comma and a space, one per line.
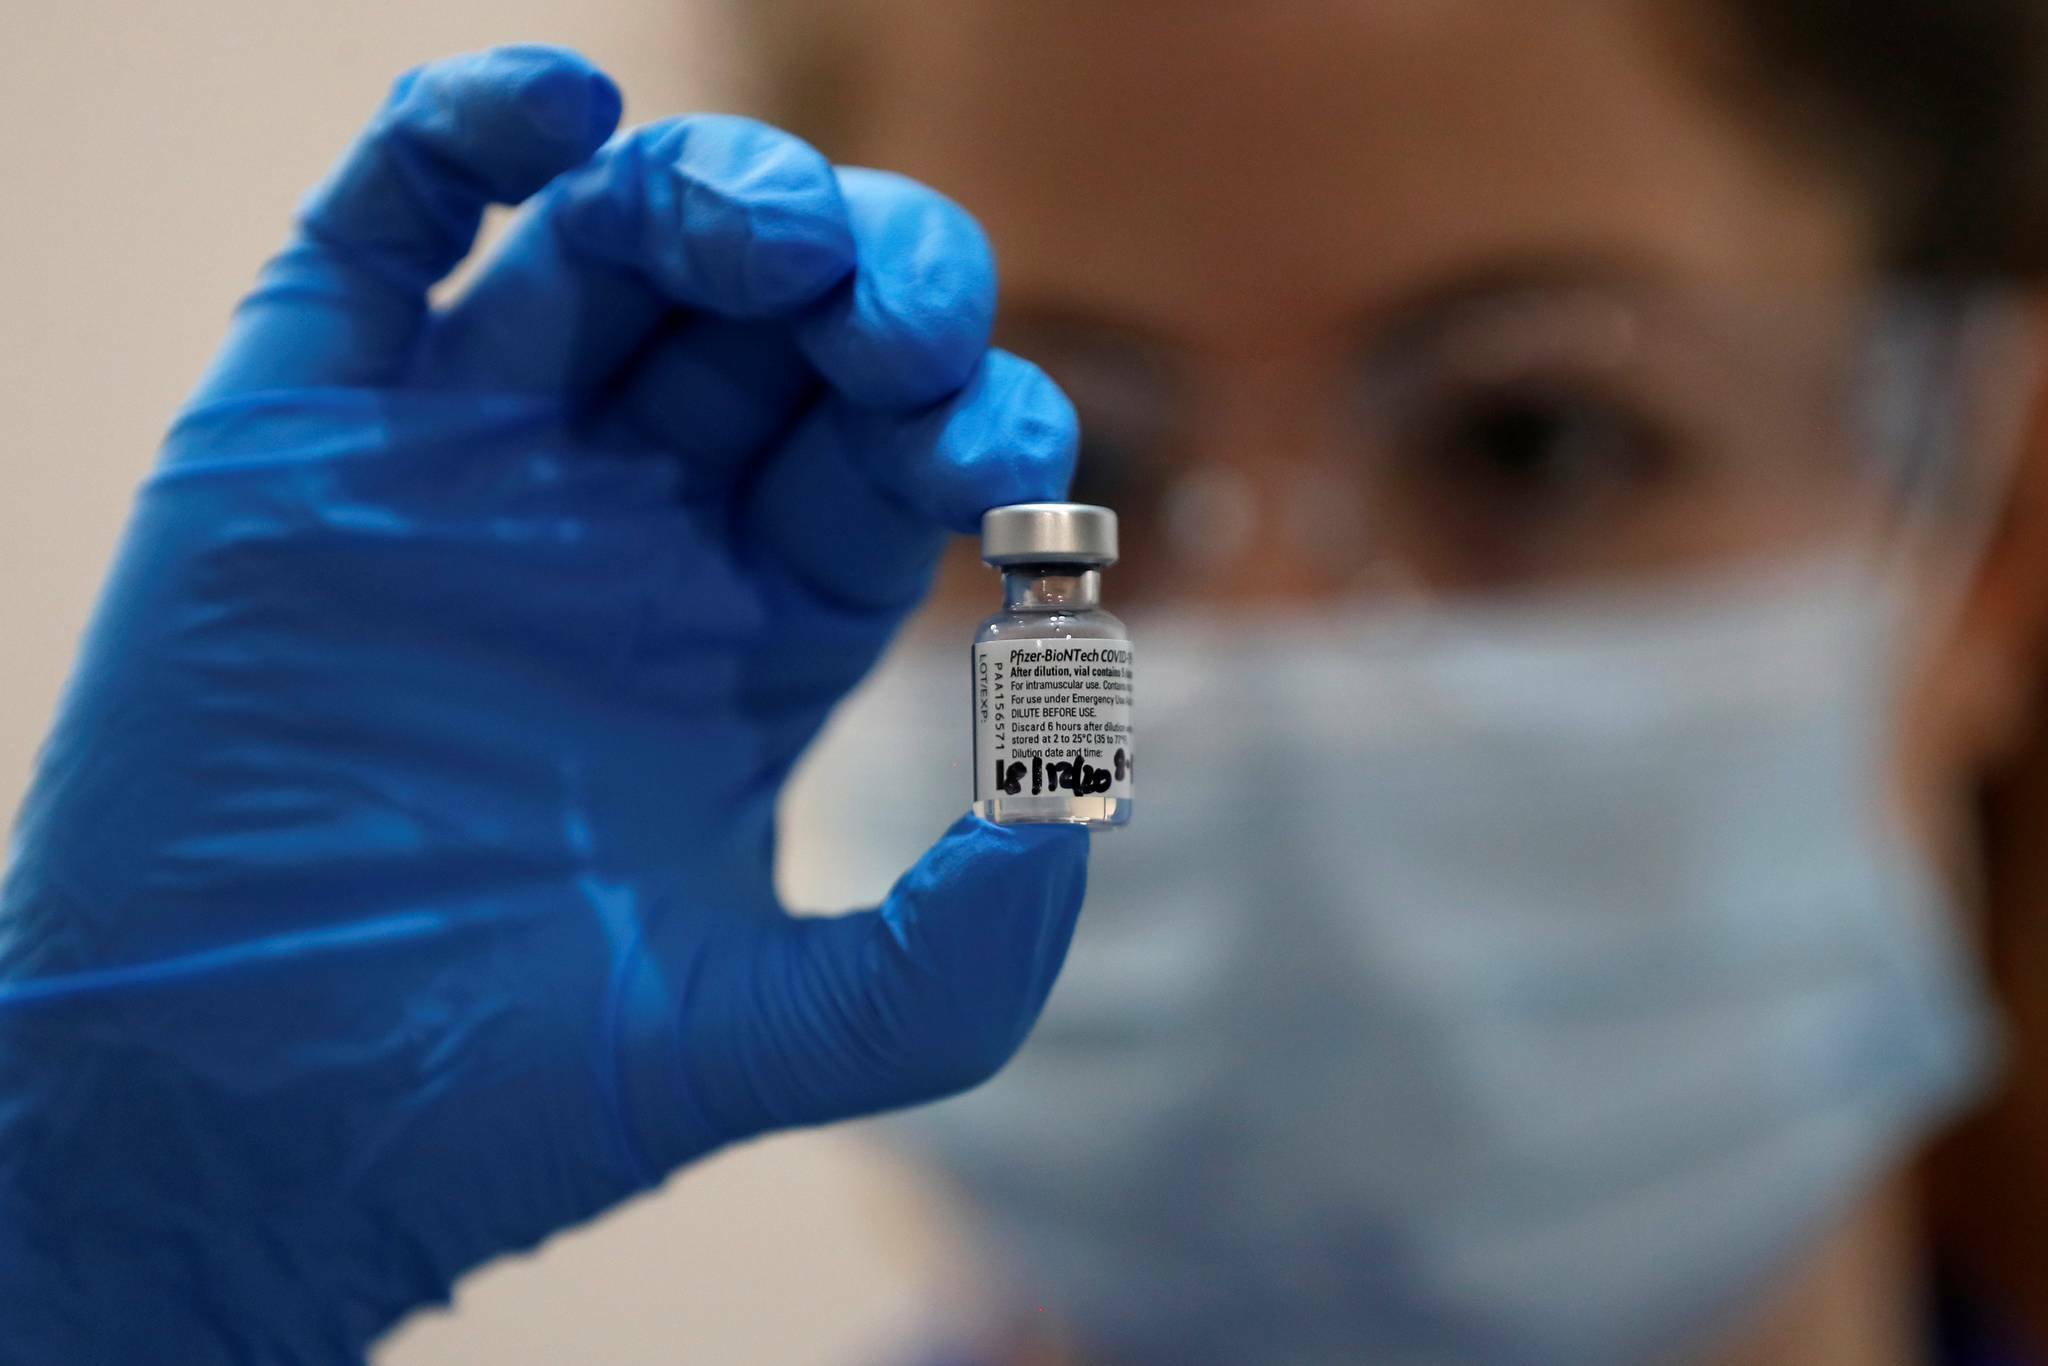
point(1078, 777)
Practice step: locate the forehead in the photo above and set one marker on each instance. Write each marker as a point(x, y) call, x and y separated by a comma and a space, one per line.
point(1257, 171)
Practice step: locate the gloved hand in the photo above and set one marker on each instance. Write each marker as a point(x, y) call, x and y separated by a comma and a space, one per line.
point(395, 888)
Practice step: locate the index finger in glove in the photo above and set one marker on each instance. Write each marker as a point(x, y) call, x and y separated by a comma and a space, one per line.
point(858, 504)
point(709, 215)
point(866, 282)
point(911, 324)
point(343, 303)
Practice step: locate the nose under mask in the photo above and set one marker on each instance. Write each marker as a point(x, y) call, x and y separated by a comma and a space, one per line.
point(1522, 985)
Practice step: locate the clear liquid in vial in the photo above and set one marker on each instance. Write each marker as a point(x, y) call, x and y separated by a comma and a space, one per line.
point(1047, 607)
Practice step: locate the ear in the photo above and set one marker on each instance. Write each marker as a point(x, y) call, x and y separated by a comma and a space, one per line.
point(1991, 685)
point(1989, 1181)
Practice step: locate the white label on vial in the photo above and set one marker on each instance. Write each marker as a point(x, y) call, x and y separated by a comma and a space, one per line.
point(1052, 718)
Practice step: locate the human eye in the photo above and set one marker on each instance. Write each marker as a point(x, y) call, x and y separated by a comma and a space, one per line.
point(1554, 441)
point(1494, 481)
point(1538, 449)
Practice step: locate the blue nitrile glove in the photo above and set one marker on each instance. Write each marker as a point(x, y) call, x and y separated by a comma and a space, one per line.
point(395, 887)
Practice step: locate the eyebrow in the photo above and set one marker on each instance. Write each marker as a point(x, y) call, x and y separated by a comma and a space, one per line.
point(1419, 316)
point(1412, 317)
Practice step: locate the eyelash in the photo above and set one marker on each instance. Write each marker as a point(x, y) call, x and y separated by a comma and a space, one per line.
point(1508, 433)
point(1456, 437)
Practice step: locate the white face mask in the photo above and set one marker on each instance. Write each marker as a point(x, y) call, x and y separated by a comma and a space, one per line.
point(1521, 986)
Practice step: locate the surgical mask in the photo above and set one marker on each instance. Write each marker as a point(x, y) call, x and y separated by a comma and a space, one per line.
point(1560, 985)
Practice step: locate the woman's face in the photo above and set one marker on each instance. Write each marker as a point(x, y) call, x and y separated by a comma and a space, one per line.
point(1455, 296)
point(1271, 249)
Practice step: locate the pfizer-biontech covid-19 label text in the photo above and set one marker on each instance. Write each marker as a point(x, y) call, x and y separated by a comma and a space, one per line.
point(1052, 718)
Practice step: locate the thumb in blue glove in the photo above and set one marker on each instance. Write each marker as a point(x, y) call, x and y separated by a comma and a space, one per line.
point(396, 886)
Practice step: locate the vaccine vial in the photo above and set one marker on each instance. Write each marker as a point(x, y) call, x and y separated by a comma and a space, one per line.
point(1053, 740)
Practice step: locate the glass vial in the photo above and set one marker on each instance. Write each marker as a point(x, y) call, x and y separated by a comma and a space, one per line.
point(1052, 685)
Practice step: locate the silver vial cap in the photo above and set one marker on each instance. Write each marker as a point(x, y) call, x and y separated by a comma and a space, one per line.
point(1049, 533)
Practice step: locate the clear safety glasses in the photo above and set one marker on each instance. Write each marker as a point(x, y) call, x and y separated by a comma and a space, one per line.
point(1549, 437)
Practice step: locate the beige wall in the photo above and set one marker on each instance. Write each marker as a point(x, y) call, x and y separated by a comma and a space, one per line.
point(152, 153)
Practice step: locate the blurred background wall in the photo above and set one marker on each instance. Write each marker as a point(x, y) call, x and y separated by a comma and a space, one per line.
point(152, 156)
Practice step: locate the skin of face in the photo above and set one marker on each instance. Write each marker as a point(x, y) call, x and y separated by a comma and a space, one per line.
point(1230, 201)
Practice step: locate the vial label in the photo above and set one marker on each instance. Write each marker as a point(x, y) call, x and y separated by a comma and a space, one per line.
point(1052, 718)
